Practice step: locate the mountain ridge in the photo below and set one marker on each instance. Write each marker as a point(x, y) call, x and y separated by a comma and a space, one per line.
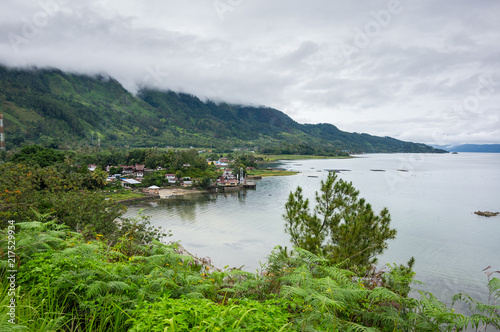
point(55, 108)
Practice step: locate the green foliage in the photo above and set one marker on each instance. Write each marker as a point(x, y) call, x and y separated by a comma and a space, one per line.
point(68, 282)
point(204, 183)
point(205, 315)
point(154, 179)
point(26, 191)
point(399, 278)
point(35, 154)
point(483, 314)
point(86, 280)
point(343, 227)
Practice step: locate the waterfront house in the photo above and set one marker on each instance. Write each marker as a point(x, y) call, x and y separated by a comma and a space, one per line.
point(186, 182)
point(228, 183)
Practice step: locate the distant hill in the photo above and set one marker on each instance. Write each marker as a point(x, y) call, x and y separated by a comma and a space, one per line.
point(53, 108)
point(486, 148)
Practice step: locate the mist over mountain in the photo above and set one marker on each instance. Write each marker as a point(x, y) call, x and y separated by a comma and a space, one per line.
point(58, 109)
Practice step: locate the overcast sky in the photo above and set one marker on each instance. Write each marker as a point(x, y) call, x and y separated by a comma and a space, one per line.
point(418, 70)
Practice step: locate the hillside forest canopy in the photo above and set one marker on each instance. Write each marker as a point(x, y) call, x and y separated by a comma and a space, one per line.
point(70, 111)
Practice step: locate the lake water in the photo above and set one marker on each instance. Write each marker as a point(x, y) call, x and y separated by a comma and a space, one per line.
point(431, 199)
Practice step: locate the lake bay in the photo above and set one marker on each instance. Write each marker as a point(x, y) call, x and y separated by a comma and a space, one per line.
point(431, 199)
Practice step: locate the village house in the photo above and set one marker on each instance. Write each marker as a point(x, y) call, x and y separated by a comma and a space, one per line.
point(136, 170)
point(139, 170)
point(228, 174)
point(222, 182)
point(127, 169)
point(129, 183)
point(186, 182)
point(219, 164)
point(171, 178)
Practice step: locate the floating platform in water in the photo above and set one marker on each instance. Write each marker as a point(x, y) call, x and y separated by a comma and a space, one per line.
point(249, 185)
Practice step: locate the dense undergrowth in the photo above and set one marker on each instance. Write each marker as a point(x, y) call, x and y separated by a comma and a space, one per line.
point(69, 281)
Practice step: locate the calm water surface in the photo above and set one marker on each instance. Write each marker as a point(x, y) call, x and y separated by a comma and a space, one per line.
point(431, 204)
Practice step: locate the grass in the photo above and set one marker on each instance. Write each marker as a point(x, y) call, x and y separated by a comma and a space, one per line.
point(122, 195)
point(267, 172)
point(277, 157)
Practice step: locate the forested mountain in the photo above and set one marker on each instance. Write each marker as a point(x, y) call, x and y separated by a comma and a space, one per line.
point(53, 108)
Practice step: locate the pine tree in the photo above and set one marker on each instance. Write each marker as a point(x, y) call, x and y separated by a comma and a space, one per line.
point(342, 227)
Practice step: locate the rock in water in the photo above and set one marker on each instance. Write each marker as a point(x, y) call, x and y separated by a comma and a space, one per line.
point(486, 213)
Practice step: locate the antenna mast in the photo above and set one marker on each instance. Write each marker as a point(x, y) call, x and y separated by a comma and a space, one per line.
point(2, 137)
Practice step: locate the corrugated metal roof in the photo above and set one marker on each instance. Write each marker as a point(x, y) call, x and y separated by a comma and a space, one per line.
point(131, 181)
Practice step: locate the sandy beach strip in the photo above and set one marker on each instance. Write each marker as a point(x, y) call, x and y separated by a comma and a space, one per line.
point(171, 192)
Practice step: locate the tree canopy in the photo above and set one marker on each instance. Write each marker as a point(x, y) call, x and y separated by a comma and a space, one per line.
point(342, 226)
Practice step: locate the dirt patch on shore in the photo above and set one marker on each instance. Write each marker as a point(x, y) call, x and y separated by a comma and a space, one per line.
point(171, 192)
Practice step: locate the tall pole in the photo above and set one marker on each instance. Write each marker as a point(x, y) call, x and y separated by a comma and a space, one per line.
point(2, 137)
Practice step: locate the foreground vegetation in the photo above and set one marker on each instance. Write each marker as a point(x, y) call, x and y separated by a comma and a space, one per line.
point(71, 262)
point(69, 281)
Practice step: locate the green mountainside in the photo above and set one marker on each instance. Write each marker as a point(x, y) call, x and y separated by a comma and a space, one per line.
point(53, 108)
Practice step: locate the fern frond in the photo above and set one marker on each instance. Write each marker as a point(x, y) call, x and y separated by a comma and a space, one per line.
point(309, 257)
point(118, 286)
point(342, 277)
point(325, 304)
point(494, 288)
point(97, 288)
point(381, 294)
point(289, 291)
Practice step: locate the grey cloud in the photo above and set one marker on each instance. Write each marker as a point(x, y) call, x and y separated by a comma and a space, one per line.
point(404, 82)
